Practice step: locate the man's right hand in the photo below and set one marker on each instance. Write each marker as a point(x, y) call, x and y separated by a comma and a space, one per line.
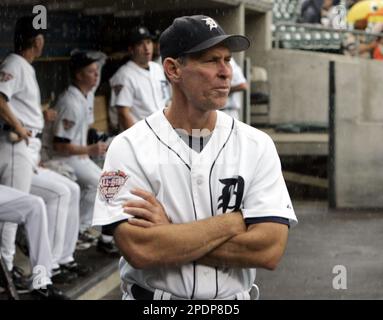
point(20, 133)
point(97, 149)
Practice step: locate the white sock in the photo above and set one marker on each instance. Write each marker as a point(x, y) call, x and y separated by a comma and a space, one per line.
point(106, 238)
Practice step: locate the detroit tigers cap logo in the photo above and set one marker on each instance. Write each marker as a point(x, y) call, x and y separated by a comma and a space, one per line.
point(110, 184)
point(210, 23)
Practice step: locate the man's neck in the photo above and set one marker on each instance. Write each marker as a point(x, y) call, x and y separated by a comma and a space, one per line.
point(184, 116)
point(142, 65)
point(83, 89)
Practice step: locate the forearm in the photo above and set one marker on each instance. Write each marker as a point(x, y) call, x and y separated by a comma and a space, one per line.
point(175, 244)
point(125, 117)
point(7, 115)
point(262, 247)
point(363, 47)
point(69, 149)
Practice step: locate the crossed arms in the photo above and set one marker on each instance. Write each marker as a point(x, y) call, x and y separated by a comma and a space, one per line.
point(151, 240)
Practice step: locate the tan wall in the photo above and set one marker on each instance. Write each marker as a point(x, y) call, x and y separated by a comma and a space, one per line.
point(300, 93)
point(359, 132)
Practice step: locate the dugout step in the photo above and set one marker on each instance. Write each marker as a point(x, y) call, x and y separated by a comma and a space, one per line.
point(103, 277)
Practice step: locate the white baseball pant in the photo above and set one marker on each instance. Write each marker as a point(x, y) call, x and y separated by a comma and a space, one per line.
point(21, 208)
point(16, 170)
point(88, 174)
point(62, 197)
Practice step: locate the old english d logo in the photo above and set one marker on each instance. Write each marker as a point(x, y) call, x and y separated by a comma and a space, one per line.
point(232, 193)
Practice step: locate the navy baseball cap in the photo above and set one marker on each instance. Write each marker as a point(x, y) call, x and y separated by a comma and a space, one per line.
point(25, 30)
point(191, 34)
point(81, 58)
point(137, 34)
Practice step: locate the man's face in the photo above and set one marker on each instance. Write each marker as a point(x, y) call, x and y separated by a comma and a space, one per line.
point(38, 45)
point(142, 52)
point(205, 80)
point(88, 76)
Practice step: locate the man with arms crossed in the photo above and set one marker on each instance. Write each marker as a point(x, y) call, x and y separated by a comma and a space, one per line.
point(196, 220)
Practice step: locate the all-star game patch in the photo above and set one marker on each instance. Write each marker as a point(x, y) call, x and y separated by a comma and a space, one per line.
point(111, 183)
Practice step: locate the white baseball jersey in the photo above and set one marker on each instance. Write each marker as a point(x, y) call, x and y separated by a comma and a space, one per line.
point(18, 83)
point(144, 91)
point(90, 99)
point(238, 169)
point(72, 116)
point(72, 124)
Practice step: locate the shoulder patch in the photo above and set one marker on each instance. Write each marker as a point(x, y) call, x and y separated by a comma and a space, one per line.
point(4, 76)
point(68, 124)
point(117, 89)
point(110, 184)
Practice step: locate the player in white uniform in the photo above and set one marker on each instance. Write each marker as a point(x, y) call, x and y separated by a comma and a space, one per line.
point(139, 87)
point(70, 133)
point(86, 239)
point(220, 207)
point(238, 85)
point(19, 100)
point(21, 97)
point(21, 208)
point(100, 59)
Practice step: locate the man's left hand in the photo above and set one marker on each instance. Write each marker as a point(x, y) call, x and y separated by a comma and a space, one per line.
point(148, 212)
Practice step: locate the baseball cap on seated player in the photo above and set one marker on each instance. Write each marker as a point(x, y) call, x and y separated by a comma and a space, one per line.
point(24, 30)
point(191, 34)
point(82, 58)
point(137, 34)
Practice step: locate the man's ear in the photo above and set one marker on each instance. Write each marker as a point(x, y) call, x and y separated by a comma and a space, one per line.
point(172, 69)
point(78, 75)
point(130, 50)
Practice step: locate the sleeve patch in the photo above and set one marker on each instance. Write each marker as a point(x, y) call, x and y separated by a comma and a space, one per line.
point(117, 89)
point(68, 124)
point(4, 76)
point(111, 183)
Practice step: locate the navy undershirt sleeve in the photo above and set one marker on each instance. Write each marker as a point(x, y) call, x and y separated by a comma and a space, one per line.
point(275, 219)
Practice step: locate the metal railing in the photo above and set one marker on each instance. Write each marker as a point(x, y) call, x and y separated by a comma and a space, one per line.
point(314, 37)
